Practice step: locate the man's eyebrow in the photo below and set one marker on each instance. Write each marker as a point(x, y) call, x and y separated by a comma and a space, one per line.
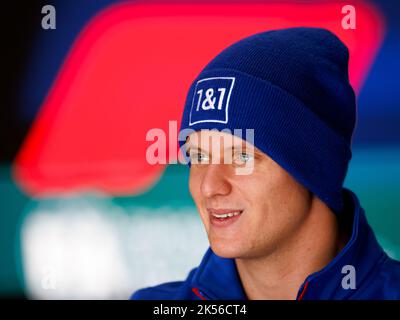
point(193, 147)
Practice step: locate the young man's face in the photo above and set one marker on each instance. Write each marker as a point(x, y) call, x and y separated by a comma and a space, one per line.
point(269, 206)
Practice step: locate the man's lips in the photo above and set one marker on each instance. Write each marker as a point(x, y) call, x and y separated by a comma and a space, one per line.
point(224, 217)
point(221, 212)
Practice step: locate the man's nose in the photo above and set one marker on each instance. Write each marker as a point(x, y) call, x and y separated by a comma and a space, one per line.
point(215, 181)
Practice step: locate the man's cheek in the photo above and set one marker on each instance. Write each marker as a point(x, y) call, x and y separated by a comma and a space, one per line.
point(194, 188)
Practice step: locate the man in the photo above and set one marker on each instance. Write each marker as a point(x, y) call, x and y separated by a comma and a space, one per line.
point(286, 228)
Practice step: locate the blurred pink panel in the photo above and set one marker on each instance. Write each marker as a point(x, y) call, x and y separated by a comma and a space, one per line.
point(129, 71)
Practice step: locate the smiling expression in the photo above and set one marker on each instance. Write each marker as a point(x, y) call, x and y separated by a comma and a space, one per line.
point(247, 215)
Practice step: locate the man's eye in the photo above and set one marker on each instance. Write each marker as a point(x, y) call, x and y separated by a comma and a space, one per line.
point(198, 158)
point(243, 157)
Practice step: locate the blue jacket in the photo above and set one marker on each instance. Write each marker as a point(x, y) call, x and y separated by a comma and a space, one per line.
point(376, 275)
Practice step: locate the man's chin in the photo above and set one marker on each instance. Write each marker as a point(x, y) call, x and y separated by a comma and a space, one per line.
point(226, 250)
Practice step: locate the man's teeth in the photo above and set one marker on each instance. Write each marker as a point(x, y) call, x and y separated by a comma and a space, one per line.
point(226, 215)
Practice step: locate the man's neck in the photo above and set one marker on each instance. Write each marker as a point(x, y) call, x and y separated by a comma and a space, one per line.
point(280, 274)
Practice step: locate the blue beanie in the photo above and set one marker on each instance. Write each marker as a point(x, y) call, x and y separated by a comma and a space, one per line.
point(292, 87)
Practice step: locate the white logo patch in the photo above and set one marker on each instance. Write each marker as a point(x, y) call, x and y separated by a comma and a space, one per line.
point(211, 100)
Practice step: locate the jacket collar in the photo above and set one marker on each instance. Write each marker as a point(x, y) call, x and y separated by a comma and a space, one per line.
point(218, 278)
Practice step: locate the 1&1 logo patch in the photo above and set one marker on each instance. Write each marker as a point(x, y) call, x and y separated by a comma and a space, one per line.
point(211, 100)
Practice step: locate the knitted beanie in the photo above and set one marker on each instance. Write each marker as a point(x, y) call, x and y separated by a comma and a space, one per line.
point(292, 87)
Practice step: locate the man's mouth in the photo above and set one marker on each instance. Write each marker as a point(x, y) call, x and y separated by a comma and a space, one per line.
point(224, 217)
